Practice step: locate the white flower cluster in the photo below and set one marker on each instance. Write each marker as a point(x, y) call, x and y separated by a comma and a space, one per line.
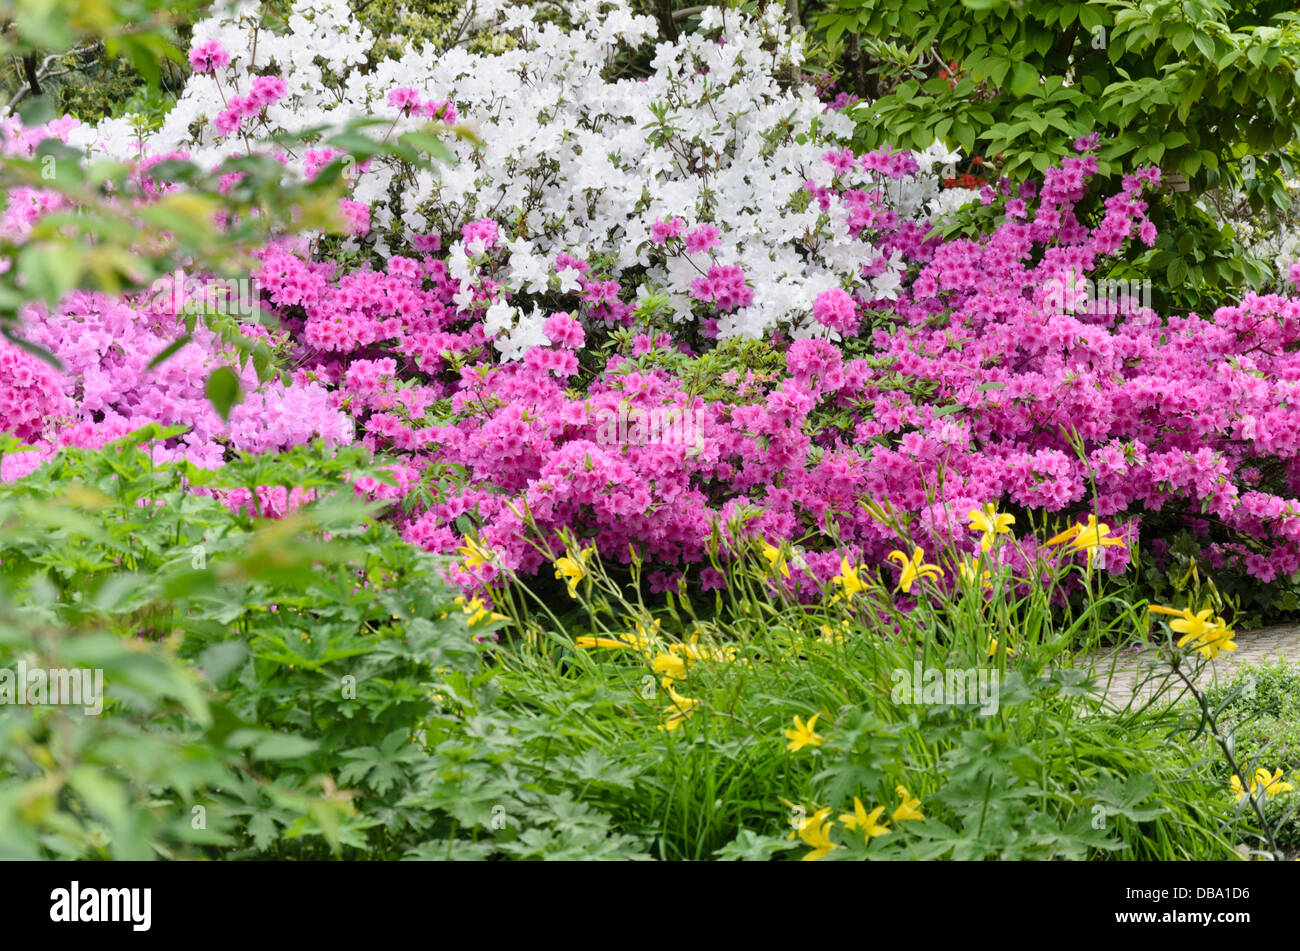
point(323, 41)
point(572, 159)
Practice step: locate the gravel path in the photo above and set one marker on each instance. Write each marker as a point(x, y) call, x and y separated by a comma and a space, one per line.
point(1133, 667)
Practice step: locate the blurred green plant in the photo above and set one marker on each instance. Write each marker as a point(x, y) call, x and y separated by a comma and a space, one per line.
point(291, 688)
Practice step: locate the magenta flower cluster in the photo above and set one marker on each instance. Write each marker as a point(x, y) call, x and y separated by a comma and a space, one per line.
point(410, 103)
point(970, 385)
point(209, 57)
point(265, 91)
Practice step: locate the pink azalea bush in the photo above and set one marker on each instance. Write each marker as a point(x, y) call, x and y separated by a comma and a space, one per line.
point(107, 389)
point(965, 390)
point(595, 380)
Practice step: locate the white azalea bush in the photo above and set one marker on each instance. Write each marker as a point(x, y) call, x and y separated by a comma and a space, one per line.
point(568, 158)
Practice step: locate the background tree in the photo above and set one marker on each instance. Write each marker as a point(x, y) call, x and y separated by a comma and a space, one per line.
point(1209, 90)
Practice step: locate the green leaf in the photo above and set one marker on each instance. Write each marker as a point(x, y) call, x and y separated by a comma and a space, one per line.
point(965, 136)
point(1024, 79)
point(283, 746)
point(356, 144)
point(35, 111)
point(428, 143)
point(50, 270)
point(1091, 17)
point(43, 24)
point(1176, 273)
point(170, 350)
point(217, 660)
point(223, 391)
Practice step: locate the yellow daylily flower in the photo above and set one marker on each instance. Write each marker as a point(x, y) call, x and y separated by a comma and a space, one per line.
point(914, 569)
point(993, 648)
point(866, 822)
point(1206, 634)
point(1217, 640)
point(693, 650)
point(991, 523)
point(478, 611)
point(475, 555)
point(816, 831)
point(571, 570)
point(803, 735)
point(909, 808)
point(678, 711)
point(644, 639)
point(849, 580)
point(775, 559)
point(1272, 785)
point(669, 667)
point(608, 643)
point(1090, 537)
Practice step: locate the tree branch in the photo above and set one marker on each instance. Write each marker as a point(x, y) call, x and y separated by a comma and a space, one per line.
point(667, 22)
point(29, 70)
point(858, 66)
point(34, 74)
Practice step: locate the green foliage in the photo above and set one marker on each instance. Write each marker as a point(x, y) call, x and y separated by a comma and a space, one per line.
point(90, 85)
point(1205, 89)
point(141, 31)
point(1193, 86)
point(305, 687)
point(435, 24)
point(1261, 705)
point(734, 370)
point(292, 688)
point(1049, 769)
point(93, 60)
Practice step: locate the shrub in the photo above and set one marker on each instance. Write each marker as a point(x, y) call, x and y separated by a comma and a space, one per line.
point(1261, 705)
point(280, 688)
point(1204, 91)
